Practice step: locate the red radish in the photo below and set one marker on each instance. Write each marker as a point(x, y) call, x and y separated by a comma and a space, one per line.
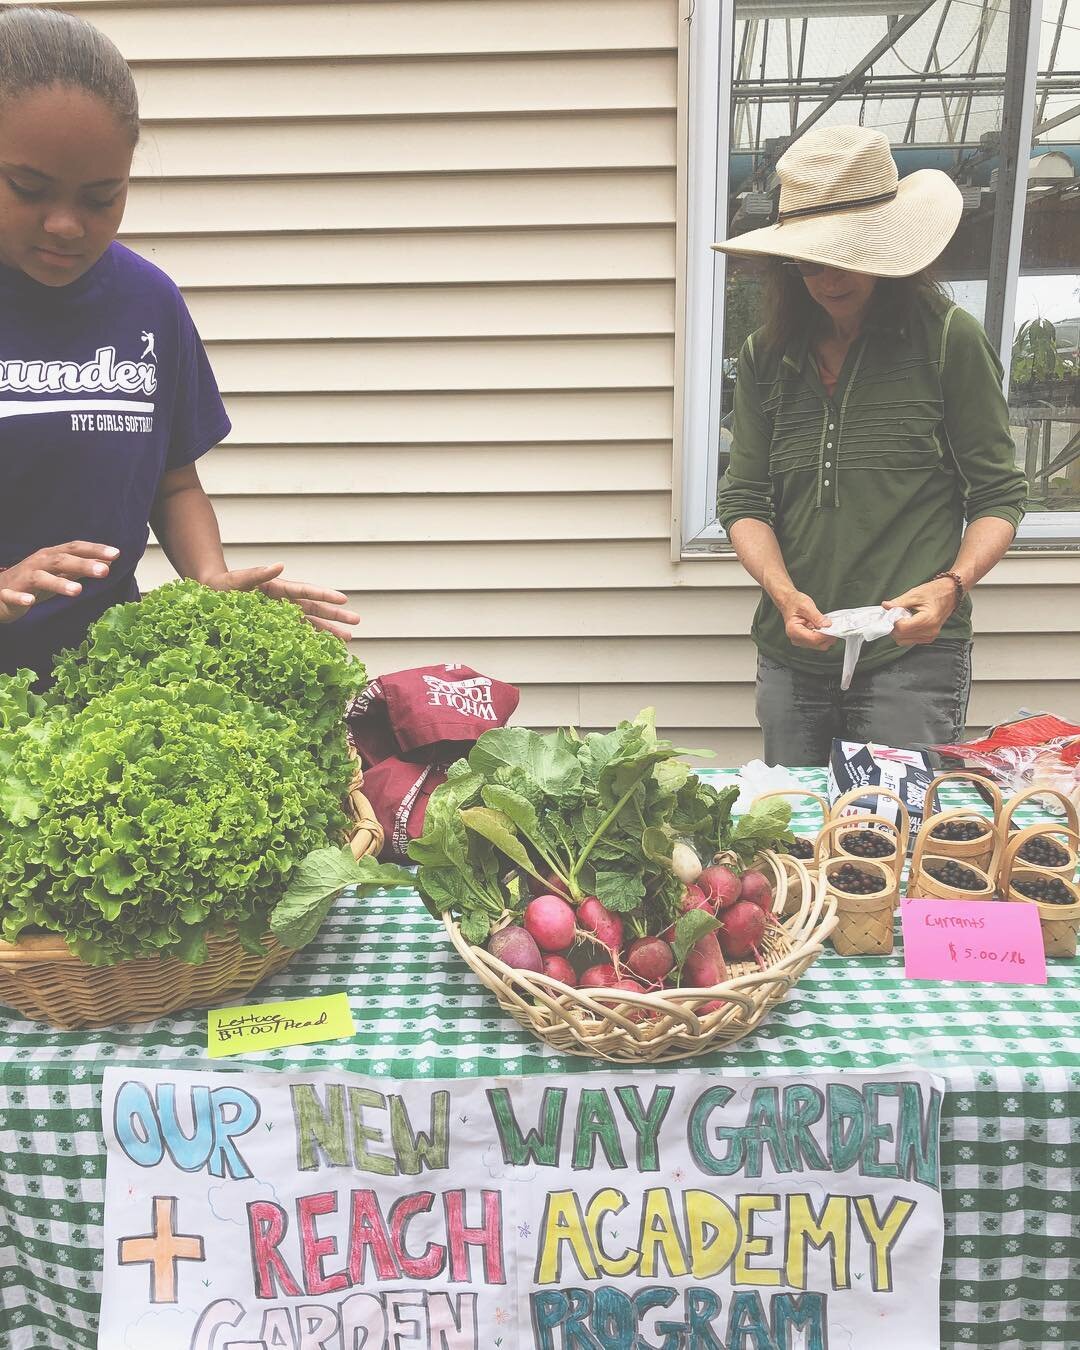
point(515, 948)
point(744, 927)
point(550, 884)
point(599, 977)
point(651, 959)
point(704, 965)
point(605, 926)
point(551, 922)
point(713, 1005)
point(756, 888)
point(634, 1011)
point(693, 897)
point(559, 968)
point(721, 886)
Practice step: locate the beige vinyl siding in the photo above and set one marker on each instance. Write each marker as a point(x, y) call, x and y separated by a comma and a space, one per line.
point(432, 250)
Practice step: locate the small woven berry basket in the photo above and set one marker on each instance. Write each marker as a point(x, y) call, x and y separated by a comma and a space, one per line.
point(674, 1024)
point(979, 850)
point(1059, 835)
point(923, 884)
point(864, 921)
point(45, 982)
point(1059, 922)
point(899, 834)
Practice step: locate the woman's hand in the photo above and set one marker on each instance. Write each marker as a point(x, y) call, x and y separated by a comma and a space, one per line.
point(802, 619)
point(930, 604)
point(51, 571)
point(324, 609)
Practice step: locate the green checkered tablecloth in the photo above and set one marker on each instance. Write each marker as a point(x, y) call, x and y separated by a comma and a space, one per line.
point(1011, 1122)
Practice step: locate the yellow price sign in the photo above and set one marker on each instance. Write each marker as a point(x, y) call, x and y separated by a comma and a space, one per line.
point(264, 1026)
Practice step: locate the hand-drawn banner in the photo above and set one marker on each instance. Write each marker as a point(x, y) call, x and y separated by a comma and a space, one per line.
point(620, 1211)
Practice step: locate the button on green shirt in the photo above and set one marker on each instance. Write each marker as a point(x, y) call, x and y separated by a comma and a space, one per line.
point(868, 491)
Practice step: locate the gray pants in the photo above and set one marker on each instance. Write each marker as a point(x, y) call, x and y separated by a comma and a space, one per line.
point(919, 700)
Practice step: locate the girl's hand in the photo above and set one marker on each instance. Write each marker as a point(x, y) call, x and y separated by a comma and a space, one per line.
point(324, 609)
point(802, 619)
point(51, 571)
point(930, 605)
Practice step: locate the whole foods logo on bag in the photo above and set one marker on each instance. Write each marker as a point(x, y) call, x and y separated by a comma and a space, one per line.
point(616, 1211)
point(470, 697)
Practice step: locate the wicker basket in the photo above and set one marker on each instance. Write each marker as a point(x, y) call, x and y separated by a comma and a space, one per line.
point(864, 923)
point(865, 820)
point(923, 886)
point(1059, 923)
point(1059, 833)
point(44, 981)
point(795, 874)
point(658, 1028)
point(980, 850)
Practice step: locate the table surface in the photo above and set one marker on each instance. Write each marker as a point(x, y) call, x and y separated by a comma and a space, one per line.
point(1010, 1126)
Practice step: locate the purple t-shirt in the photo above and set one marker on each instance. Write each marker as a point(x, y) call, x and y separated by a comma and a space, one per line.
point(104, 385)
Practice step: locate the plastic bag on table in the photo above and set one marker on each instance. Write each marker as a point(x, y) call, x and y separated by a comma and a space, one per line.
point(758, 778)
point(857, 626)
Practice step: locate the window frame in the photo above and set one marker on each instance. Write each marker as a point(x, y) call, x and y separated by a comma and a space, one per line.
point(709, 77)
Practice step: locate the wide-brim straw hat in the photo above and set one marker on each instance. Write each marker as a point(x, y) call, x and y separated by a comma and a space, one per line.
point(843, 204)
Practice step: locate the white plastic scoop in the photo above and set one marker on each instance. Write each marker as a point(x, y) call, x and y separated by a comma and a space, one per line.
point(857, 626)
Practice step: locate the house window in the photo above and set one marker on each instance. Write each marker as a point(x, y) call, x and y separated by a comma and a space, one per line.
point(953, 85)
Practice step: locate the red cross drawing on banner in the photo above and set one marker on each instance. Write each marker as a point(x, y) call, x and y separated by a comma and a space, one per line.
point(161, 1250)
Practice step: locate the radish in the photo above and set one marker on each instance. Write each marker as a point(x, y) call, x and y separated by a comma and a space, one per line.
point(756, 888)
point(713, 1005)
point(704, 965)
point(651, 959)
point(549, 884)
point(551, 923)
point(515, 948)
point(634, 1011)
point(721, 886)
point(606, 927)
point(604, 976)
point(744, 927)
point(685, 863)
point(559, 968)
point(693, 897)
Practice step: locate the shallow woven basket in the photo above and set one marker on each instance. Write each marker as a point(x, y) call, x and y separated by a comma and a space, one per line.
point(795, 875)
point(1059, 923)
point(923, 886)
point(980, 850)
point(864, 923)
point(45, 982)
point(657, 1028)
point(1060, 834)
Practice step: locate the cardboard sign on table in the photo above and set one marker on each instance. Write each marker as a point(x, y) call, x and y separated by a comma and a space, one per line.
point(251, 1211)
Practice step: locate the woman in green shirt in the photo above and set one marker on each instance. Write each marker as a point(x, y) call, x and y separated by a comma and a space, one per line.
point(871, 460)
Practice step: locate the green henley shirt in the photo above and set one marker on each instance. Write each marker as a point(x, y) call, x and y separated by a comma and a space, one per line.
point(868, 491)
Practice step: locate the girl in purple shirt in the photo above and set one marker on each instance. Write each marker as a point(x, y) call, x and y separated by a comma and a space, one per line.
point(107, 399)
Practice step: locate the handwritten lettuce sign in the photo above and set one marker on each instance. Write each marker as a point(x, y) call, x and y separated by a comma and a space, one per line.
point(623, 1211)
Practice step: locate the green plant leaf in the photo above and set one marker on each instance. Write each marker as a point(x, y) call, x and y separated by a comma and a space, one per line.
point(498, 829)
point(621, 892)
point(763, 826)
point(657, 845)
point(691, 928)
point(475, 926)
point(317, 882)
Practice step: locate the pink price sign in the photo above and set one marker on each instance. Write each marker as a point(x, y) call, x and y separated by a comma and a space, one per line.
point(973, 941)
